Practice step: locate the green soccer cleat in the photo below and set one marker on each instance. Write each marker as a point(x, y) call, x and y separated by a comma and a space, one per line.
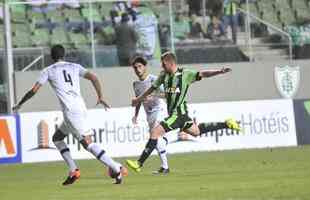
point(233, 124)
point(134, 165)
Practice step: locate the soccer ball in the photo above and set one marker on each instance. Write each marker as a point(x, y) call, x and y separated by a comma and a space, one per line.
point(113, 174)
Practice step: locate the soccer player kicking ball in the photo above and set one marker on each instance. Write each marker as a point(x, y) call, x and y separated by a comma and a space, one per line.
point(64, 77)
point(176, 83)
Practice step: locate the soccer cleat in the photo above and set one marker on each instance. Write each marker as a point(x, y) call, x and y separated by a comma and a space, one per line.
point(73, 176)
point(134, 165)
point(162, 171)
point(119, 177)
point(233, 124)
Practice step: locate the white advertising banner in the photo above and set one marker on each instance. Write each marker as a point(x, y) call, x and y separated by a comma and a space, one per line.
point(268, 123)
point(264, 123)
point(111, 129)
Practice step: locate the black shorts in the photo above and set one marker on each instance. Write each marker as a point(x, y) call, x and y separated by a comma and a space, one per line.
point(175, 121)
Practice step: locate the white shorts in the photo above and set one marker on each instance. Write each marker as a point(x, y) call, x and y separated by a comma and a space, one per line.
point(76, 124)
point(154, 118)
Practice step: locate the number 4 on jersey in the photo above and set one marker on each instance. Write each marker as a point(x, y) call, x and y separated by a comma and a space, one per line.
point(67, 77)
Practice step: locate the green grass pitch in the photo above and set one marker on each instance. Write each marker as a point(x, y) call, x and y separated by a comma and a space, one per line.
point(269, 174)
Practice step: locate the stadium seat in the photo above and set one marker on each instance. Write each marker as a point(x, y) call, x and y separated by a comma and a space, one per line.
point(297, 3)
point(21, 39)
point(20, 28)
point(265, 6)
point(302, 13)
point(40, 37)
point(35, 18)
point(18, 13)
point(59, 36)
point(72, 15)
point(105, 8)
point(78, 39)
point(86, 13)
point(55, 16)
point(285, 13)
point(2, 38)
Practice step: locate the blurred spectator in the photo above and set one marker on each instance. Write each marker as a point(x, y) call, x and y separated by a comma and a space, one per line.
point(215, 7)
point(105, 36)
point(230, 17)
point(121, 7)
point(196, 27)
point(195, 7)
point(216, 30)
point(161, 11)
point(126, 40)
point(146, 27)
point(181, 27)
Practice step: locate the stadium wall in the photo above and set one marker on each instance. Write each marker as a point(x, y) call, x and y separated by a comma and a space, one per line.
point(248, 81)
point(264, 123)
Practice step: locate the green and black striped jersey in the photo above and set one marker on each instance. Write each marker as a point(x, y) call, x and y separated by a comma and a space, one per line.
point(176, 87)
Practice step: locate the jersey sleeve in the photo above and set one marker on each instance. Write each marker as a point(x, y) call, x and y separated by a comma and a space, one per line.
point(192, 75)
point(159, 81)
point(82, 71)
point(43, 77)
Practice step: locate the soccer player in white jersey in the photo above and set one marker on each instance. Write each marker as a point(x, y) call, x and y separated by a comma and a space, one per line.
point(153, 105)
point(64, 79)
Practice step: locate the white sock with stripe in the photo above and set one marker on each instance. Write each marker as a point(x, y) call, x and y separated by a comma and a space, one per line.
point(66, 155)
point(162, 152)
point(101, 155)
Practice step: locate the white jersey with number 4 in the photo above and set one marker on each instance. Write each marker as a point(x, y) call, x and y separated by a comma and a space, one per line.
point(64, 77)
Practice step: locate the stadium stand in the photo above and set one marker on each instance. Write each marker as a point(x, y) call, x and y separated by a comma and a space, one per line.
point(42, 27)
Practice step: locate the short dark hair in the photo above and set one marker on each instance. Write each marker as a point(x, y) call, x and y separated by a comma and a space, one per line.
point(57, 52)
point(169, 55)
point(139, 59)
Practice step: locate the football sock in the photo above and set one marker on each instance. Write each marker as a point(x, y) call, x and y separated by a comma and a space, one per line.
point(101, 155)
point(161, 149)
point(172, 137)
point(150, 146)
point(207, 127)
point(66, 155)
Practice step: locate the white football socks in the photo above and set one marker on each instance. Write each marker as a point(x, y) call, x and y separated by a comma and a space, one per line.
point(101, 155)
point(161, 149)
point(66, 155)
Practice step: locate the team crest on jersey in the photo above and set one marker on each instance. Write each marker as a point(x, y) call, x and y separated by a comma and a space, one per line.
point(287, 80)
point(173, 90)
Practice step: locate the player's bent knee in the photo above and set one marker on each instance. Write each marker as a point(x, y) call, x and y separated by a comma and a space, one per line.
point(58, 136)
point(157, 132)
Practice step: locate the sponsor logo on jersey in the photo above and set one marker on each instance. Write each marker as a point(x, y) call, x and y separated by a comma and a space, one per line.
point(173, 90)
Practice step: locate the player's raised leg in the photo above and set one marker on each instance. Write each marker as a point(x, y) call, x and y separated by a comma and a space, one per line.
point(203, 128)
point(150, 146)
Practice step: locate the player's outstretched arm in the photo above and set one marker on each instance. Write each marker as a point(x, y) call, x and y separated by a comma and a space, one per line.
point(27, 96)
point(96, 84)
point(137, 100)
point(135, 117)
point(210, 73)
